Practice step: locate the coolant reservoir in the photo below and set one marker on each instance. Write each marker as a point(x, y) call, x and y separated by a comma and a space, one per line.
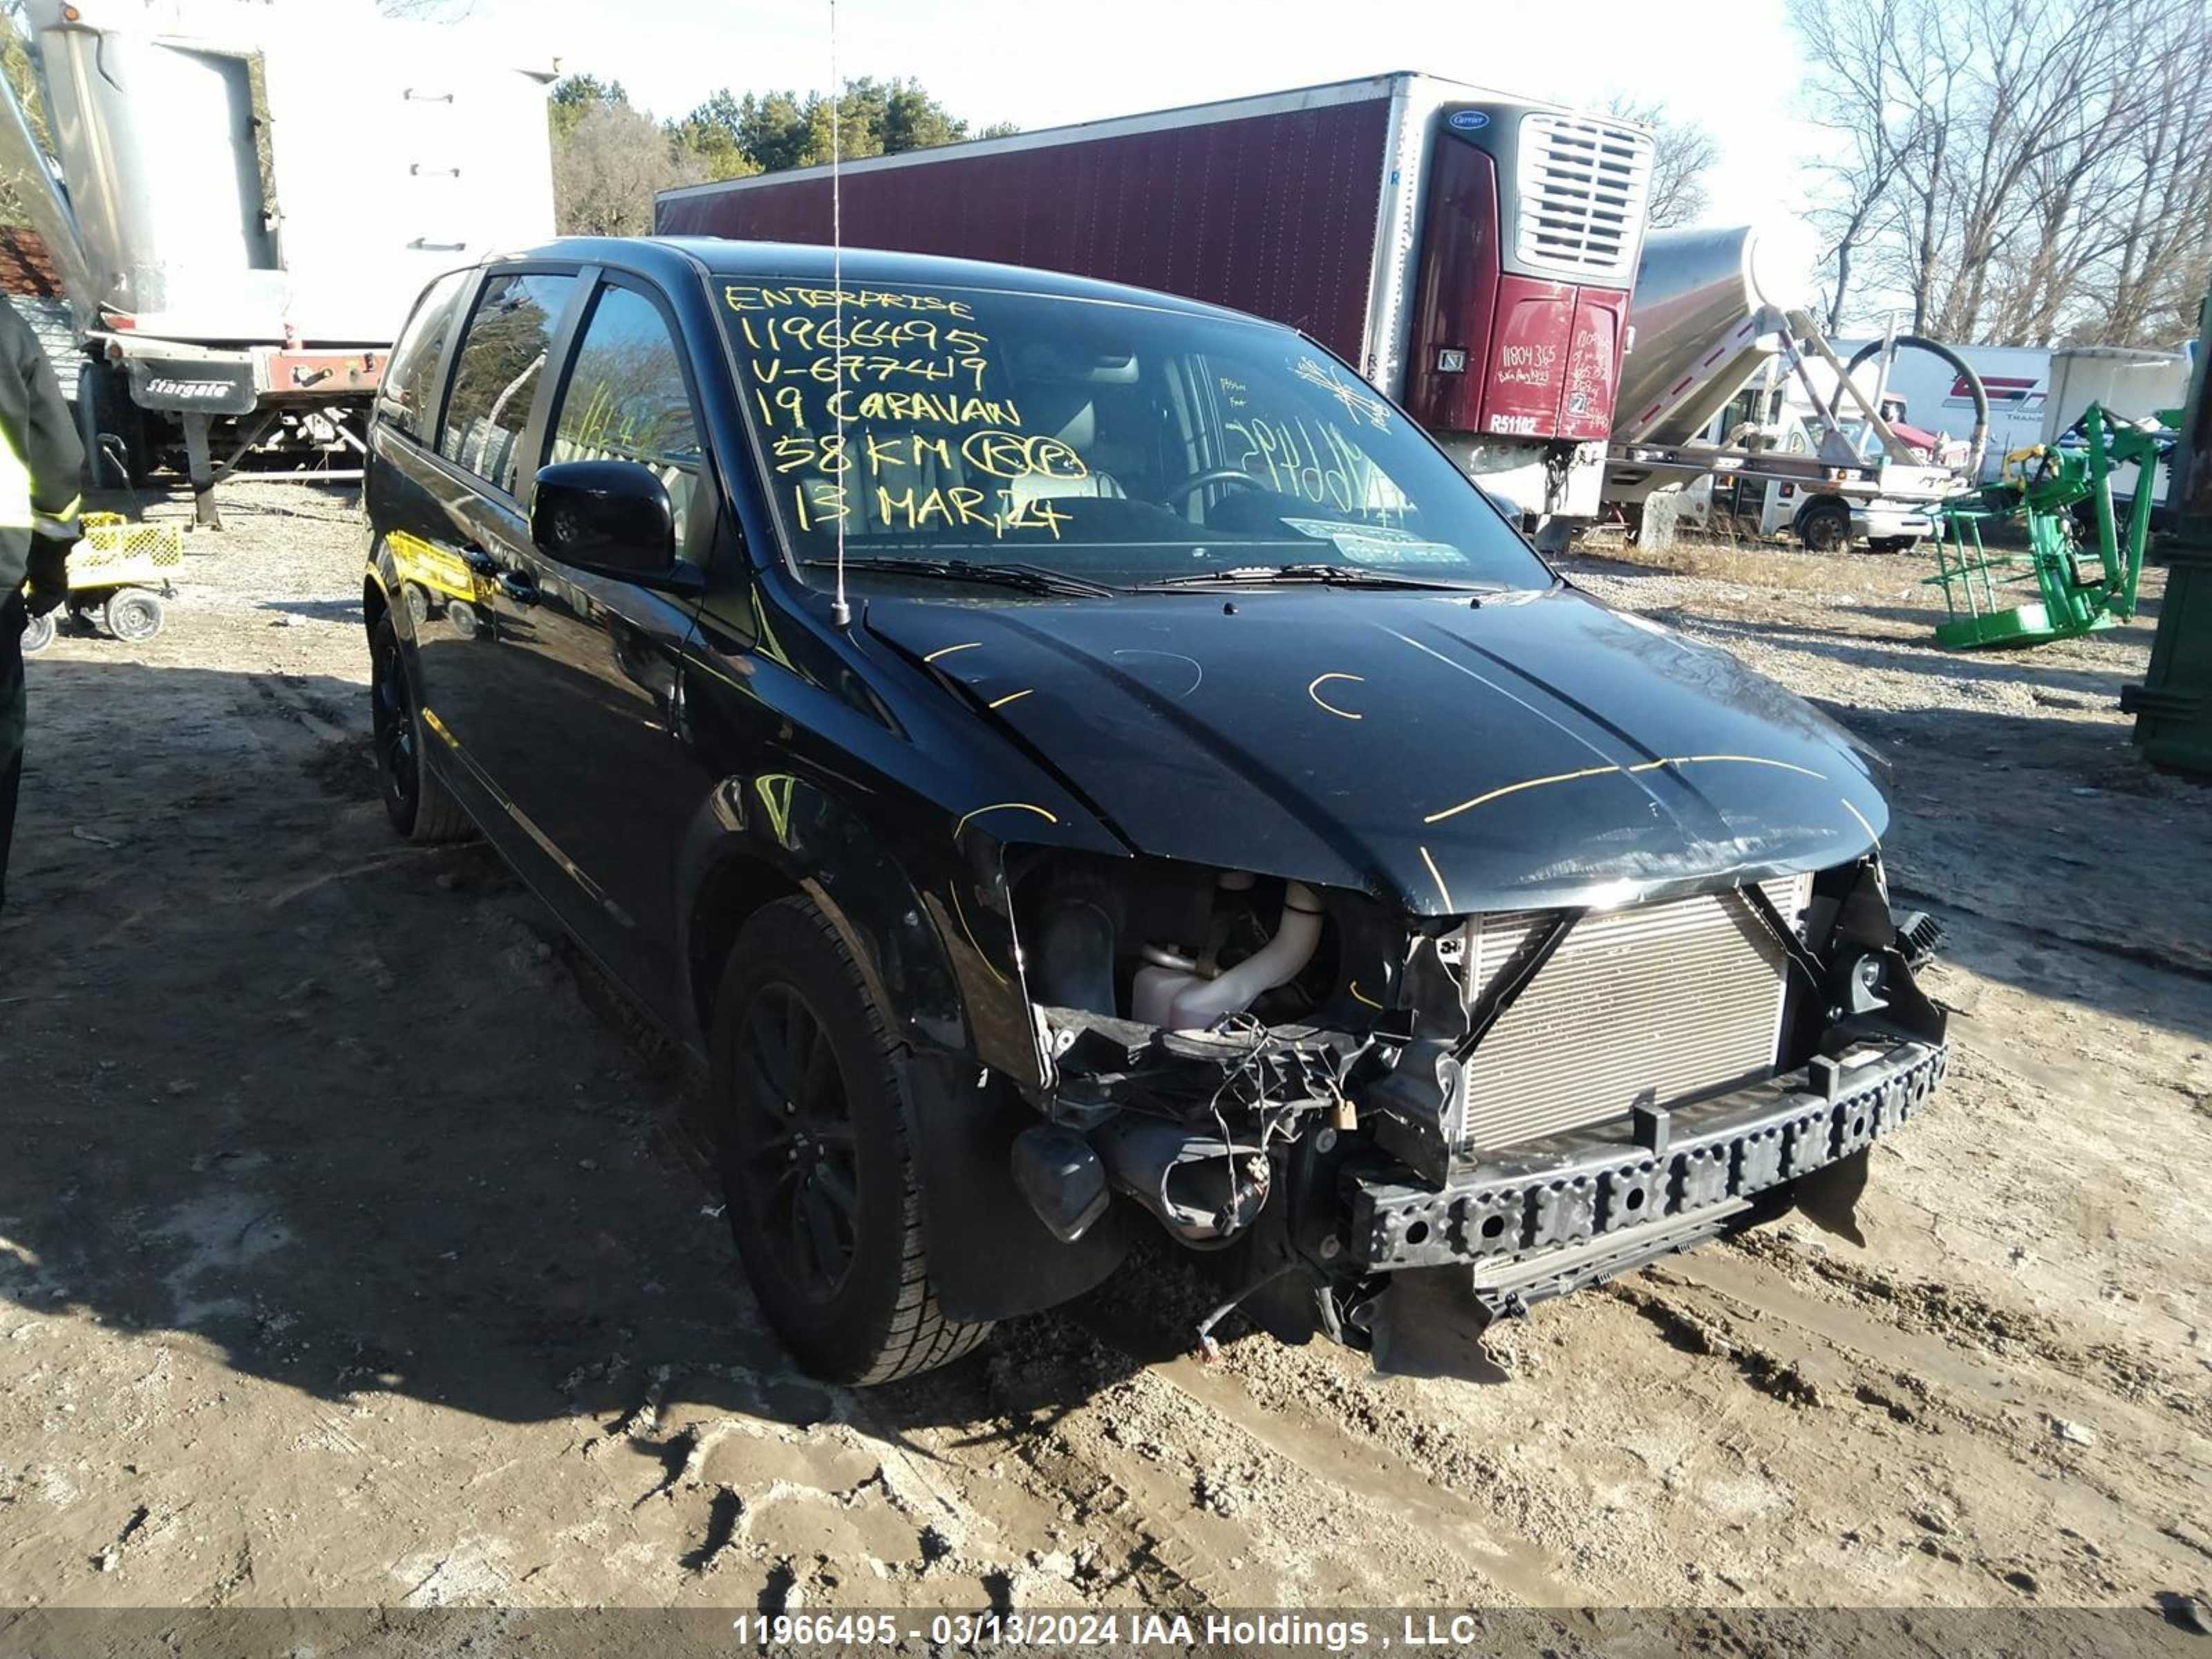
point(1153, 993)
point(1278, 962)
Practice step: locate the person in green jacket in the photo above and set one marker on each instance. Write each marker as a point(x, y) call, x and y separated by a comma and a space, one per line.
point(40, 461)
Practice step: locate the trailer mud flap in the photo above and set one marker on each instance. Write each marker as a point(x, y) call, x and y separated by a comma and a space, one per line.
point(198, 385)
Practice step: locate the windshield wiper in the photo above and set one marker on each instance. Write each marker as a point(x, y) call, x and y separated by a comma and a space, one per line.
point(1328, 575)
point(1008, 573)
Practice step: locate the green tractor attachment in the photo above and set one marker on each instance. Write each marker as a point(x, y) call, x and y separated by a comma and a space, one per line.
point(2052, 488)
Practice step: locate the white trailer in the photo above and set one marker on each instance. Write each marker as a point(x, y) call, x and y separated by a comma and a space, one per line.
point(2035, 393)
point(248, 198)
point(2130, 383)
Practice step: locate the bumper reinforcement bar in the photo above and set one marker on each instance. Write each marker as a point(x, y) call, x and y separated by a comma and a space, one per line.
point(1548, 1216)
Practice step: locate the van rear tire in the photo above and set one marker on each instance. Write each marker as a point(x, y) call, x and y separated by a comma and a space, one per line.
point(415, 798)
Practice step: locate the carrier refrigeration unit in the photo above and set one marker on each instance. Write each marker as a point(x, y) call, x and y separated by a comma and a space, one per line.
point(1469, 252)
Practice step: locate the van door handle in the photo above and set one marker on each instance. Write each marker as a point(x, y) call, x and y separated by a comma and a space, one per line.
point(519, 587)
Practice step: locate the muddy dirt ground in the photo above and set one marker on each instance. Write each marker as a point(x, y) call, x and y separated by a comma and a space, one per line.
point(348, 1254)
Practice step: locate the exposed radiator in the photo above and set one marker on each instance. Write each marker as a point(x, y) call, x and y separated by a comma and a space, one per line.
point(1583, 181)
point(1646, 1005)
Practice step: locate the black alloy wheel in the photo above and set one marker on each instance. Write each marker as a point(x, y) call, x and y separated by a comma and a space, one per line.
point(391, 717)
point(799, 1165)
point(1825, 527)
point(824, 1199)
point(415, 798)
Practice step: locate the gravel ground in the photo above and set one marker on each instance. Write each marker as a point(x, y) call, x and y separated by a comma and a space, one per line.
point(350, 1255)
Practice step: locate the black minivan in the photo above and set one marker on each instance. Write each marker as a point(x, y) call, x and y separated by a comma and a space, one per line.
point(1071, 760)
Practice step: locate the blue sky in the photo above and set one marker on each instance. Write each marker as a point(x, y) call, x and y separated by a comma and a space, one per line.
point(1043, 63)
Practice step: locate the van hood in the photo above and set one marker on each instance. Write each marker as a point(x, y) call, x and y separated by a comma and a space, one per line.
point(1540, 750)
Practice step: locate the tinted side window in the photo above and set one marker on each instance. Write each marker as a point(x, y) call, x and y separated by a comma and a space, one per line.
point(409, 396)
point(496, 375)
point(626, 401)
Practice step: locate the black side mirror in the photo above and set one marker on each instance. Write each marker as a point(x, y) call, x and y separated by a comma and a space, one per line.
point(611, 518)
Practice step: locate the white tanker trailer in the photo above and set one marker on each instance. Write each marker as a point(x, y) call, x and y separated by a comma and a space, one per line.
point(1703, 422)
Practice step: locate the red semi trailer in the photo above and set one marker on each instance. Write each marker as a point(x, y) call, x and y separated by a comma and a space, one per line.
point(1471, 253)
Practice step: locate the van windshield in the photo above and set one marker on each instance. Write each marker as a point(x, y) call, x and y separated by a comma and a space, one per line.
point(1112, 442)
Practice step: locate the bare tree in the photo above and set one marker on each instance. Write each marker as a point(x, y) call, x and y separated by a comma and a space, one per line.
point(2155, 243)
point(1848, 99)
point(606, 169)
point(1683, 153)
point(2023, 170)
point(22, 75)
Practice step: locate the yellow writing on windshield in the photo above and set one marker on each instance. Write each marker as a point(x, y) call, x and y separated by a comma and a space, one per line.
point(818, 502)
point(1311, 462)
point(994, 454)
point(996, 510)
point(877, 370)
point(808, 333)
point(884, 418)
point(1358, 401)
point(752, 296)
point(1021, 455)
point(786, 405)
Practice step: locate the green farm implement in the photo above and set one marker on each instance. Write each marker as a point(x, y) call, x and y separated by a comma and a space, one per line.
point(2062, 493)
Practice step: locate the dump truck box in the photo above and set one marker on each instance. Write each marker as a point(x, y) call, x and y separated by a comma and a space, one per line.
point(244, 198)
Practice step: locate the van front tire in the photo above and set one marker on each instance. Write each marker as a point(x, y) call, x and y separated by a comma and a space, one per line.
point(822, 1198)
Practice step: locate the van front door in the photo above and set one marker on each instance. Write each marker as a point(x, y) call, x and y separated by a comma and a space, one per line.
point(593, 666)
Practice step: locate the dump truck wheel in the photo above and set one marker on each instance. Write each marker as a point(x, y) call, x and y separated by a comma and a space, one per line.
point(38, 634)
point(415, 798)
point(110, 427)
point(822, 1196)
point(133, 615)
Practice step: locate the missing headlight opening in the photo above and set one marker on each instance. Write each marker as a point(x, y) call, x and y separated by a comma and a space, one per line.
point(1544, 1098)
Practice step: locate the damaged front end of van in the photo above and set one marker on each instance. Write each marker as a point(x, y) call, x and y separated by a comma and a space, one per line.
point(1621, 984)
point(1545, 1097)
